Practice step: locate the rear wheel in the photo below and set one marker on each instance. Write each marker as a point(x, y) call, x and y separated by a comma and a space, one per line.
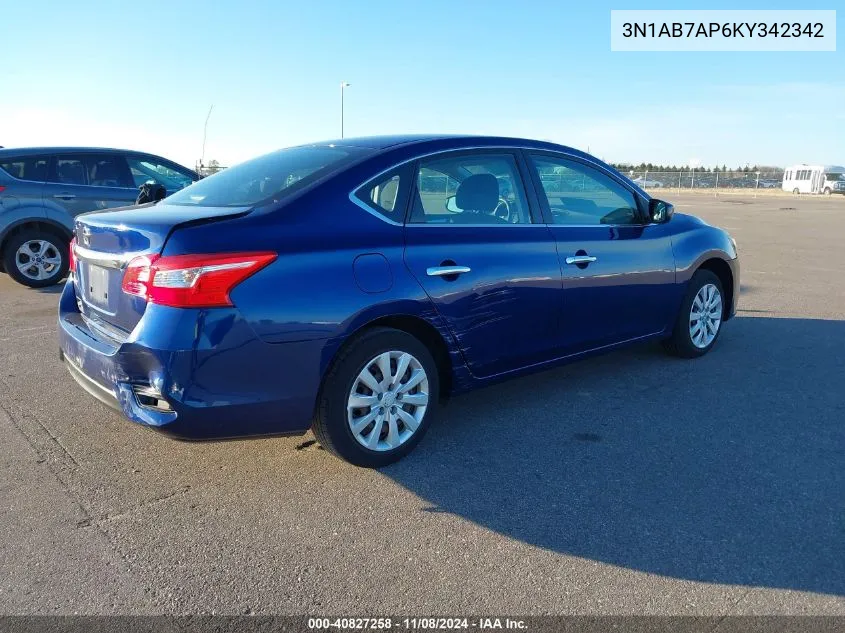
point(36, 258)
point(700, 320)
point(795, 191)
point(378, 399)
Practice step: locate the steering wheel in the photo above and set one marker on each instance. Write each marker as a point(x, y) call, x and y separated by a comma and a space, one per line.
point(503, 210)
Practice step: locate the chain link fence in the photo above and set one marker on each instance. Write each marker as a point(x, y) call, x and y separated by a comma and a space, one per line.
point(705, 179)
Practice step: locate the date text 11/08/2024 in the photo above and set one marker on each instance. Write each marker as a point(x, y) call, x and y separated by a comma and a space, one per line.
point(423, 623)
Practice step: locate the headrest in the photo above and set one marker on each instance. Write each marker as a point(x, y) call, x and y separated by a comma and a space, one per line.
point(479, 192)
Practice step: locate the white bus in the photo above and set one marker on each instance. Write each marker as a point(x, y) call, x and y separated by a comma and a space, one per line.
point(826, 179)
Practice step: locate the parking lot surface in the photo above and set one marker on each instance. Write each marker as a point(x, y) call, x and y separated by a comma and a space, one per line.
point(628, 483)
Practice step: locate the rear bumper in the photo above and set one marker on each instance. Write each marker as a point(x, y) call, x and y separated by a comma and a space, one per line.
point(194, 374)
point(100, 392)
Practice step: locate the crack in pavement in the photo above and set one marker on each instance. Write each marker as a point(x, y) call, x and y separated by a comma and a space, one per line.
point(56, 462)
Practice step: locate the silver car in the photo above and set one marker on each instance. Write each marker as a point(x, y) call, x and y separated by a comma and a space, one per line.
point(43, 188)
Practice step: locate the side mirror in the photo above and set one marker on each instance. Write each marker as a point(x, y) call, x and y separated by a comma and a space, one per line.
point(451, 205)
point(659, 211)
point(150, 192)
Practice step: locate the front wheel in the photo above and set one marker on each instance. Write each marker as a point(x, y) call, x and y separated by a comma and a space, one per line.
point(700, 320)
point(36, 258)
point(378, 399)
point(827, 191)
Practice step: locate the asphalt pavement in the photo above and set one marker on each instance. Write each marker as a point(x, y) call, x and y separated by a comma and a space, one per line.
point(631, 483)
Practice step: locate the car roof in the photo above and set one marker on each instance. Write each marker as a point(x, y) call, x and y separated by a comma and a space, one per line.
point(26, 151)
point(34, 151)
point(387, 142)
point(445, 141)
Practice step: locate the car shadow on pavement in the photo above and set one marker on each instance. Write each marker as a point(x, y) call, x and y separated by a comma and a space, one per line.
point(726, 469)
point(55, 289)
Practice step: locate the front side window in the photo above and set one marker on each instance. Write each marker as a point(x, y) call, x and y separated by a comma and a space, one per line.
point(579, 195)
point(26, 167)
point(266, 179)
point(148, 170)
point(470, 189)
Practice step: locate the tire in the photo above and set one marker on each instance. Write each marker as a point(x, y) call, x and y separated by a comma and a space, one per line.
point(682, 343)
point(795, 191)
point(827, 191)
point(48, 271)
point(333, 425)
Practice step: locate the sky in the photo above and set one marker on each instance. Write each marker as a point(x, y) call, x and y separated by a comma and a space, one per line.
point(144, 75)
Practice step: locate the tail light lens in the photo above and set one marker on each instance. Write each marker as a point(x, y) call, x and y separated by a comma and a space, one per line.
point(72, 256)
point(191, 281)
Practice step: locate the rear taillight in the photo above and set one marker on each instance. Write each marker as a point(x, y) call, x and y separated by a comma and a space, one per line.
point(72, 256)
point(2, 188)
point(191, 281)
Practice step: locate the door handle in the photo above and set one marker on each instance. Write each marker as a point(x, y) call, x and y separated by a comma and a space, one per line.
point(64, 196)
point(581, 259)
point(441, 271)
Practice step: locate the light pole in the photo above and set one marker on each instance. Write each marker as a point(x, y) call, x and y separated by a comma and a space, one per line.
point(205, 133)
point(343, 85)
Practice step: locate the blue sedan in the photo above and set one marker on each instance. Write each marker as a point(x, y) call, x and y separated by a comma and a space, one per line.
point(352, 286)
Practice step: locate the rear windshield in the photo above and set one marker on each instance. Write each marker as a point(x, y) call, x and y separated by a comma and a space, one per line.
point(266, 179)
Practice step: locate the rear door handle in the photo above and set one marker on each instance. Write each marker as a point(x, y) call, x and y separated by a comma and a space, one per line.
point(581, 259)
point(441, 271)
point(64, 196)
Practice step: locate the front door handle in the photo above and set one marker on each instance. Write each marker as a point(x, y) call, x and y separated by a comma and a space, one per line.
point(446, 271)
point(581, 260)
point(64, 196)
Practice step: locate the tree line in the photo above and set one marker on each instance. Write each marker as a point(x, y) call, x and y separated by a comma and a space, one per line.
point(746, 169)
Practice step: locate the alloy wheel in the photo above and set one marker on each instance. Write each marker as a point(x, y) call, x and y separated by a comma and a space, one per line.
point(38, 259)
point(705, 316)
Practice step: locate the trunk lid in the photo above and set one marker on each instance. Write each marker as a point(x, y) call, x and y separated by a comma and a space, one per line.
point(107, 241)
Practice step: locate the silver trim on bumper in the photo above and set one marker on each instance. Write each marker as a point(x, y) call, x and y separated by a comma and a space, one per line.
point(101, 393)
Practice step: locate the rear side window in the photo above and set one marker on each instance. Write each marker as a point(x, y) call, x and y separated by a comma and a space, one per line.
point(470, 188)
point(26, 167)
point(96, 170)
point(384, 194)
point(69, 170)
point(387, 194)
point(266, 179)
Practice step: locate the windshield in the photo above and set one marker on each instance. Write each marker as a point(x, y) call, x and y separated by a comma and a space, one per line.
point(265, 179)
point(834, 176)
